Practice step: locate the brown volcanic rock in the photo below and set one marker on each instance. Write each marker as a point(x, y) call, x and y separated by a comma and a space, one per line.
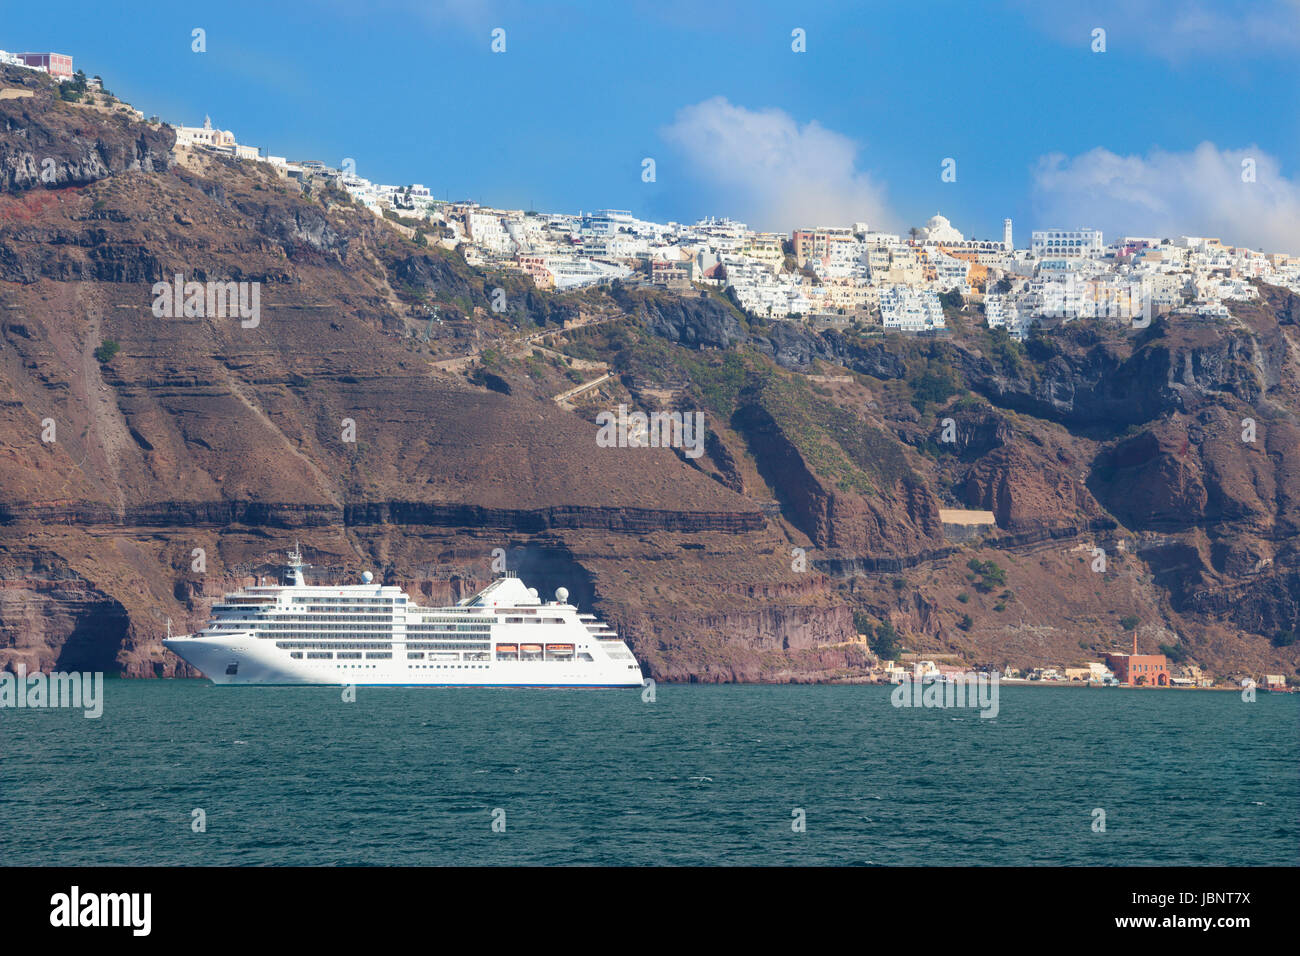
point(215, 410)
point(1198, 471)
point(203, 437)
point(50, 143)
point(44, 606)
point(901, 517)
point(1150, 482)
point(698, 619)
point(204, 434)
point(1029, 477)
point(1026, 491)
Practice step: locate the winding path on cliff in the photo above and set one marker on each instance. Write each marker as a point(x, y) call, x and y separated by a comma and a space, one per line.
point(563, 398)
point(522, 343)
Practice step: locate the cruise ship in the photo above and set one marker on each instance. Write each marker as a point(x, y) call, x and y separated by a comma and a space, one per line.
point(503, 636)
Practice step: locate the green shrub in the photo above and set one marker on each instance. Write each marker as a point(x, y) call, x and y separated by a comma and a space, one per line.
point(1175, 652)
point(885, 646)
point(862, 622)
point(933, 386)
point(991, 575)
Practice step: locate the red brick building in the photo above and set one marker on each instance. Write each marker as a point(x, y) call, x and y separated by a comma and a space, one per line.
point(57, 64)
point(1139, 670)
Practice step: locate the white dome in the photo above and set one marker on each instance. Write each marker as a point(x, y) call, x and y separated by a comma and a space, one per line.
point(366, 577)
point(562, 595)
point(939, 229)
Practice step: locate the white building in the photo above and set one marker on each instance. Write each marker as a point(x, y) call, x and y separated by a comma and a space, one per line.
point(911, 310)
point(1067, 243)
point(606, 222)
point(950, 273)
point(204, 135)
point(486, 231)
point(573, 272)
point(996, 309)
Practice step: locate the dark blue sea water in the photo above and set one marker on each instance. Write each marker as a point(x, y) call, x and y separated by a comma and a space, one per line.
point(703, 775)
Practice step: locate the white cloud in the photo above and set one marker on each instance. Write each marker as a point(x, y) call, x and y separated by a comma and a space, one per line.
point(1197, 193)
point(1180, 31)
point(763, 167)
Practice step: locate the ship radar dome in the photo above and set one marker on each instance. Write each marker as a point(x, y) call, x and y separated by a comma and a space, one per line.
point(561, 594)
point(366, 577)
point(532, 592)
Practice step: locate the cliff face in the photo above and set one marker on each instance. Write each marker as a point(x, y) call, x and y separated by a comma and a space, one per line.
point(899, 518)
point(47, 143)
point(138, 487)
point(149, 464)
point(1172, 451)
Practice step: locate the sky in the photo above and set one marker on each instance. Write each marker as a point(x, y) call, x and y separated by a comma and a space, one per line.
point(1180, 119)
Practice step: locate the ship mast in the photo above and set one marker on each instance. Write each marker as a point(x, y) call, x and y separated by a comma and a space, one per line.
point(295, 566)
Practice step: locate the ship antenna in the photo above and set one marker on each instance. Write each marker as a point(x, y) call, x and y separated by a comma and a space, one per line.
point(296, 565)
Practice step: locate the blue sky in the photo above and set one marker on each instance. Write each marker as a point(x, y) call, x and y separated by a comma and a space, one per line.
point(1147, 137)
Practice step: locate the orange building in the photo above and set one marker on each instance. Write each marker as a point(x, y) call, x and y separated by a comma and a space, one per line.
point(535, 266)
point(1139, 670)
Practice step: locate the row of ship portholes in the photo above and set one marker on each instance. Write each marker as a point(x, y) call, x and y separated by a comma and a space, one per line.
point(453, 667)
point(409, 665)
point(323, 656)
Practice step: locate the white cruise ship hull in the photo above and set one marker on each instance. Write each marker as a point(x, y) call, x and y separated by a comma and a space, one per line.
point(371, 634)
point(253, 662)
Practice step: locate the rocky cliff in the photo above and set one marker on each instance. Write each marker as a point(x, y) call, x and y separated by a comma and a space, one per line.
point(382, 411)
point(140, 485)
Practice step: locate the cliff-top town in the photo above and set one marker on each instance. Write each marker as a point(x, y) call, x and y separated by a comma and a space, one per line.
point(826, 274)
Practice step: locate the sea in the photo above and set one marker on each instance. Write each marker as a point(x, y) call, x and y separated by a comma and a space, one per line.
point(183, 772)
